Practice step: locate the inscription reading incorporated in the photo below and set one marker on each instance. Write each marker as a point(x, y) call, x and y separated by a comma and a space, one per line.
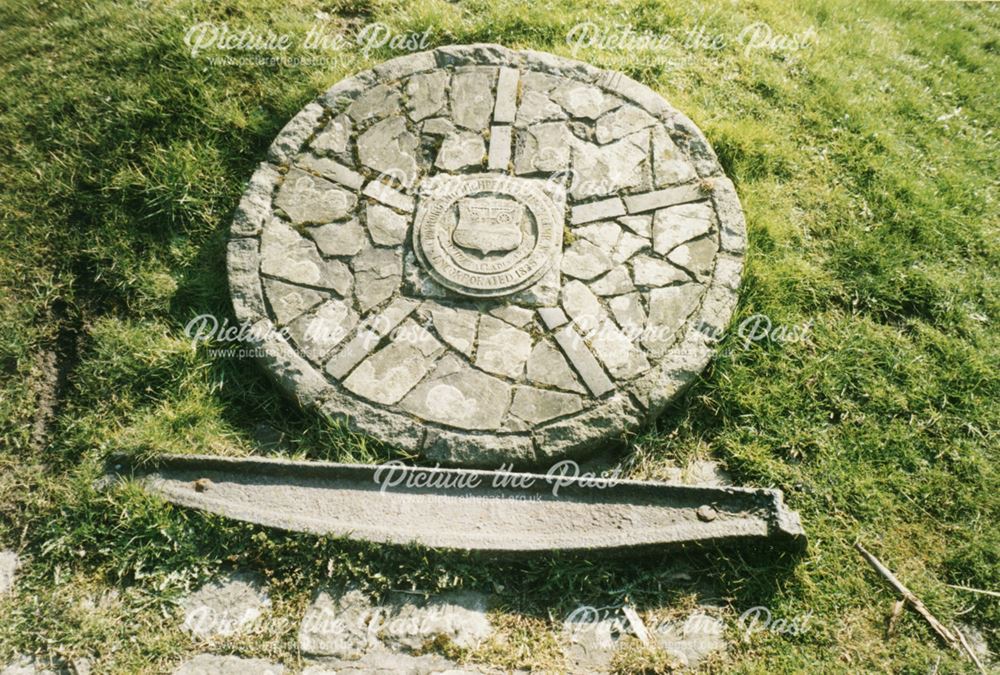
point(486, 235)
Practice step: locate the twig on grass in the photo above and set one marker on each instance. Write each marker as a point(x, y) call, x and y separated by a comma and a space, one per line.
point(897, 610)
point(968, 650)
point(946, 635)
point(974, 590)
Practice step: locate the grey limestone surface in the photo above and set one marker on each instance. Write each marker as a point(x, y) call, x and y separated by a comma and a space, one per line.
point(225, 607)
point(590, 638)
point(9, 563)
point(415, 225)
point(346, 631)
point(211, 664)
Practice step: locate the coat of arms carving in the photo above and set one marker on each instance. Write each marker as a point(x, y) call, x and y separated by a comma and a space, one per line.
point(488, 224)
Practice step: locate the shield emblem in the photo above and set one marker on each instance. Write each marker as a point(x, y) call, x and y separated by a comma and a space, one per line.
point(487, 224)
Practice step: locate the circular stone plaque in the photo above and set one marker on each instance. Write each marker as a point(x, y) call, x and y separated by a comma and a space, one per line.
point(487, 256)
point(487, 235)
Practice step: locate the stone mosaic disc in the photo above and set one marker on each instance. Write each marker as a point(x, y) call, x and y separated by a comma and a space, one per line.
point(484, 256)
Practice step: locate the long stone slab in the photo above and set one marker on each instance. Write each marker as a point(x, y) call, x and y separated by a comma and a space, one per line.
point(576, 351)
point(658, 199)
point(388, 196)
point(467, 509)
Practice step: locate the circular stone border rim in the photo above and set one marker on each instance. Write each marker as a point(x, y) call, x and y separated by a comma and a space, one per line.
point(601, 426)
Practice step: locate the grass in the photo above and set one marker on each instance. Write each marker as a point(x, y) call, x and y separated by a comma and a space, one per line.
point(867, 164)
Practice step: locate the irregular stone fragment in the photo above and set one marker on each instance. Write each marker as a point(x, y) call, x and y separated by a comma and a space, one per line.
point(472, 97)
point(615, 282)
point(254, 209)
point(339, 239)
point(347, 90)
point(457, 327)
point(389, 148)
point(9, 562)
point(375, 103)
point(289, 301)
point(617, 351)
point(291, 137)
point(331, 170)
point(613, 348)
point(461, 150)
point(583, 100)
point(386, 227)
point(543, 147)
point(608, 169)
point(499, 155)
point(669, 165)
point(545, 291)
point(405, 65)
point(514, 315)
point(547, 365)
point(38, 665)
point(379, 191)
point(318, 332)
point(226, 607)
point(288, 255)
point(604, 235)
point(367, 339)
point(695, 256)
point(606, 208)
point(594, 427)
point(677, 224)
point(488, 450)
point(583, 260)
point(649, 271)
point(243, 269)
point(590, 644)
point(438, 126)
point(426, 92)
point(552, 317)
point(210, 664)
point(336, 625)
point(628, 312)
point(506, 104)
point(628, 245)
point(290, 370)
point(380, 661)
point(694, 639)
point(732, 225)
point(669, 307)
point(378, 274)
point(618, 124)
point(502, 348)
point(309, 199)
point(456, 395)
point(535, 80)
point(541, 405)
point(335, 136)
point(581, 305)
point(460, 617)
point(537, 107)
point(642, 225)
point(636, 91)
point(388, 374)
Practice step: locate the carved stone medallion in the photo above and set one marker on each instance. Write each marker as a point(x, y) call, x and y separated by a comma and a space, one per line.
point(486, 256)
point(487, 236)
